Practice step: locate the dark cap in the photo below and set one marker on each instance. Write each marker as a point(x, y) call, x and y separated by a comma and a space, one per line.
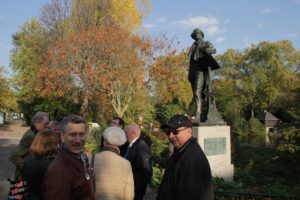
point(178, 121)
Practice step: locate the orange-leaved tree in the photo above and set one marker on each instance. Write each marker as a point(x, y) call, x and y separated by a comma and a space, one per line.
point(101, 64)
point(168, 72)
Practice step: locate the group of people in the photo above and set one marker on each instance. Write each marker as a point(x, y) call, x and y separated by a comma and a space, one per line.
point(51, 158)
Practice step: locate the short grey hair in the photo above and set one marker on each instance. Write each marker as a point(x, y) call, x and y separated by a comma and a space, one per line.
point(114, 136)
point(38, 117)
point(75, 119)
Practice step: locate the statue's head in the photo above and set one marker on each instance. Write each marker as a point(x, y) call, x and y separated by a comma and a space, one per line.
point(197, 33)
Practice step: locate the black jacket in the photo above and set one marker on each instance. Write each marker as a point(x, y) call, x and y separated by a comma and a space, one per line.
point(187, 175)
point(140, 158)
point(35, 167)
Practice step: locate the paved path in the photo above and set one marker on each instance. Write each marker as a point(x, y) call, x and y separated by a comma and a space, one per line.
point(10, 134)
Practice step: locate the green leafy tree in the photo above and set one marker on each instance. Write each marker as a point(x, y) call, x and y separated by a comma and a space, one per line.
point(261, 77)
point(59, 19)
point(271, 77)
point(166, 111)
point(8, 100)
point(27, 55)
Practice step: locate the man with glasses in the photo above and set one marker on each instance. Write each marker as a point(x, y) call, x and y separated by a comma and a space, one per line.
point(68, 175)
point(38, 122)
point(187, 174)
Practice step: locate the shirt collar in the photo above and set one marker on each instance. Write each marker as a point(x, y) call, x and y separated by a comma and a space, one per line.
point(131, 143)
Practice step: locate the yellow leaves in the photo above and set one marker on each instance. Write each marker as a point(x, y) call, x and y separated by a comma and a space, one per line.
point(124, 13)
point(87, 14)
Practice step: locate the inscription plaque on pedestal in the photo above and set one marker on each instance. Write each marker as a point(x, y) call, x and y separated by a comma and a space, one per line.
point(215, 142)
point(214, 146)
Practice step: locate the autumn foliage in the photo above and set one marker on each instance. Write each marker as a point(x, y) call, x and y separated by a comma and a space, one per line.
point(169, 69)
point(102, 63)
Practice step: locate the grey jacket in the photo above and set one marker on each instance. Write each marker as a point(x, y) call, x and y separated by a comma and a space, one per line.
point(22, 151)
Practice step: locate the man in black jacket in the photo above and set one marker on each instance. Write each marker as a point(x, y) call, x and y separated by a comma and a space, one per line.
point(187, 174)
point(139, 156)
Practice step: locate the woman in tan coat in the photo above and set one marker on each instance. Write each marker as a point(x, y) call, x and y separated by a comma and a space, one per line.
point(113, 174)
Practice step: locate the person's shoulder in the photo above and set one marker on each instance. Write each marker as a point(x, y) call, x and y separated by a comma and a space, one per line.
point(108, 155)
point(195, 154)
point(105, 155)
point(124, 162)
point(196, 147)
point(29, 160)
point(28, 133)
point(27, 138)
point(36, 161)
point(193, 149)
point(141, 145)
point(141, 142)
point(60, 161)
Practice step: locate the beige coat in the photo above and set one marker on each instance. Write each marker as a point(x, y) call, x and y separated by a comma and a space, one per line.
point(113, 177)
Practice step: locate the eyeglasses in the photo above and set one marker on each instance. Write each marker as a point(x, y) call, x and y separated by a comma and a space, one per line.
point(174, 131)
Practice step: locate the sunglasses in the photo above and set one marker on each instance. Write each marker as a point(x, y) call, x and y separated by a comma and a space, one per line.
point(174, 131)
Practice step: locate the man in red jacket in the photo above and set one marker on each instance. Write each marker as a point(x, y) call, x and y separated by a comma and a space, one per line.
point(187, 174)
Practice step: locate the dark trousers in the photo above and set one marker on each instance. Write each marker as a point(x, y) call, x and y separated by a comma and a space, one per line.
point(198, 80)
point(139, 191)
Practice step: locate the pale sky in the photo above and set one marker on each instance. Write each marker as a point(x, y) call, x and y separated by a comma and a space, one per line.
point(226, 23)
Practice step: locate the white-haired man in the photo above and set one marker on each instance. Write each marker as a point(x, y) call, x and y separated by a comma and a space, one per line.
point(113, 174)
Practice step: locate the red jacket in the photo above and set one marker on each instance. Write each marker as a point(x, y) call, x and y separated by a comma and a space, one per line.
point(66, 179)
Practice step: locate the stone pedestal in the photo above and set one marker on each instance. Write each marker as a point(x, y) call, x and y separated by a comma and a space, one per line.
point(215, 142)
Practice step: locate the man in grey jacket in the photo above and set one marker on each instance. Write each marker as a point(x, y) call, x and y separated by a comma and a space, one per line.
point(38, 122)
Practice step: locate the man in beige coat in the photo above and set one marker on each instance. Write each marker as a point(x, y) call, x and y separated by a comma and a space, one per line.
point(113, 174)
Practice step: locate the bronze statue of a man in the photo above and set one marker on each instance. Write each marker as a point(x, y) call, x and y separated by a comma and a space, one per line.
point(201, 62)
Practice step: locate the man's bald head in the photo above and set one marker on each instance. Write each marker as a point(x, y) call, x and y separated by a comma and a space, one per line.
point(132, 132)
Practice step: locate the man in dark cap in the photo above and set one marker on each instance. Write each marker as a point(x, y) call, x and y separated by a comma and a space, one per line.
point(187, 174)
